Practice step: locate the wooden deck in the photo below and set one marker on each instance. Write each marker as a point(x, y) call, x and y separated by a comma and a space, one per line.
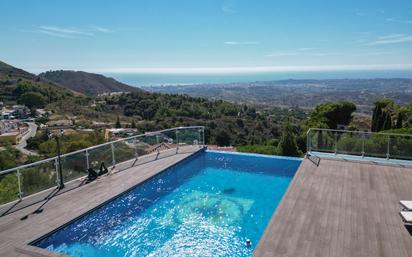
point(341, 209)
point(338, 208)
point(15, 234)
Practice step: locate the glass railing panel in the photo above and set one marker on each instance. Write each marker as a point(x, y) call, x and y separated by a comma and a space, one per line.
point(400, 147)
point(322, 141)
point(74, 166)
point(189, 136)
point(169, 138)
point(125, 150)
point(349, 143)
point(39, 177)
point(149, 144)
point(376, 145)
point(9, 187)
point(99, 155)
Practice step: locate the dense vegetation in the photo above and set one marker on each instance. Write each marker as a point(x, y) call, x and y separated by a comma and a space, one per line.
point(227, 123)
point(293, 137)
point(388, 115)
point(68, 143)
point(18, 86)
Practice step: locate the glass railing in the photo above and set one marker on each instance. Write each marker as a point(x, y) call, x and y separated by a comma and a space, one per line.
point(362, 143)
point(23, 181)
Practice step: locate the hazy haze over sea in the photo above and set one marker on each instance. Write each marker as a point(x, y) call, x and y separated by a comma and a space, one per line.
point(158, 79)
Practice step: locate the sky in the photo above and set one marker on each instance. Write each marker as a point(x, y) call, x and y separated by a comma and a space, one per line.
point(206, 36)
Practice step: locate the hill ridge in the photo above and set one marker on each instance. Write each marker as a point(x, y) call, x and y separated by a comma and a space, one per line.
point(90, 84)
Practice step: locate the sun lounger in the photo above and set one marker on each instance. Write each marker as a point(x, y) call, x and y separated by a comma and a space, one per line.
point(406, 216)
point(406, 205)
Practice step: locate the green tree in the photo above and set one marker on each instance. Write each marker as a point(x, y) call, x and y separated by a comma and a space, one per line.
point(399, 120)
point(287, 145)
point(32, 100)
point(332, 114)
point(382, 115)
point(118, 124)
point(133, 125)
point(223, 138)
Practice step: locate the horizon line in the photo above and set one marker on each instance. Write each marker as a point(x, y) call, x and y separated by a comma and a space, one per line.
point(239, 70)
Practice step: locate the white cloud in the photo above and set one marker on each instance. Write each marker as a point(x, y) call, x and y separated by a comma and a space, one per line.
point(53, 34)
point(71, 32)
point(100, 29)
point(295, 52)
point(391, 39)
point(228, 6)
point(311, 53)
point(363, 13)
point(66, 31)
point(372, 53)
point(391, 36)
point(358, 12)
point(399, 21)
point(241, 43)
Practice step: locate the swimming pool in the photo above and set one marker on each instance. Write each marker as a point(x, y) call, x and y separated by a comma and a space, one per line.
point(207, 205)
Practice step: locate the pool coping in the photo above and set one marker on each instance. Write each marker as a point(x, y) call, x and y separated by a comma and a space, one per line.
point(27, 248)
point(259, 155)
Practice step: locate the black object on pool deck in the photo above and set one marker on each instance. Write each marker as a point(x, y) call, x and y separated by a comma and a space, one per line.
point(92, 174)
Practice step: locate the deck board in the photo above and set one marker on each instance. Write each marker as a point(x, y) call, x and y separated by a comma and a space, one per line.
point(341, 208)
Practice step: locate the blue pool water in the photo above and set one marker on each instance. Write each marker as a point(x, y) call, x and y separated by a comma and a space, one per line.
point(207, 205)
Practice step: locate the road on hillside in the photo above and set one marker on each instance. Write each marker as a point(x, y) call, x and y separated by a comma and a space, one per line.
point(21, 146)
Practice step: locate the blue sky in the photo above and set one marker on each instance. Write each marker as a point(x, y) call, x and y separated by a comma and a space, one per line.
point(206, 36)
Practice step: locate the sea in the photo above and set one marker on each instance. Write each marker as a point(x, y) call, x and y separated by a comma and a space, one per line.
point(161, 79)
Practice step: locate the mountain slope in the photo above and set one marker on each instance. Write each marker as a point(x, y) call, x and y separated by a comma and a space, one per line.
point(8, 71)
point(15, 83)
point(87, 83)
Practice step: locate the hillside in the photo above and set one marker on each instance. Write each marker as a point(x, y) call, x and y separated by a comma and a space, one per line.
point(8, 71)
point(227, 123)
point(87, 83)
point(17, 85)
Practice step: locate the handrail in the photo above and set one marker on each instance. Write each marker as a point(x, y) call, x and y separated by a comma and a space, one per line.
point(358, 132)
point(96, 146)
point(334, 143)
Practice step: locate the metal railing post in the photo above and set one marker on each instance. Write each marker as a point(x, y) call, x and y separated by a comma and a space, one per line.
point(136, 154)
point(87, 159)
point(363, 145)
point(18, 174)
point(177, 140)
point(203, 135)
point(56, 165)
point(198, 137)
point(387, 148)
point(113, 157)
point(336, 142)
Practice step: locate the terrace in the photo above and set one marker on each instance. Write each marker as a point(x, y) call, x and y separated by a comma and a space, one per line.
point(342, 201)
